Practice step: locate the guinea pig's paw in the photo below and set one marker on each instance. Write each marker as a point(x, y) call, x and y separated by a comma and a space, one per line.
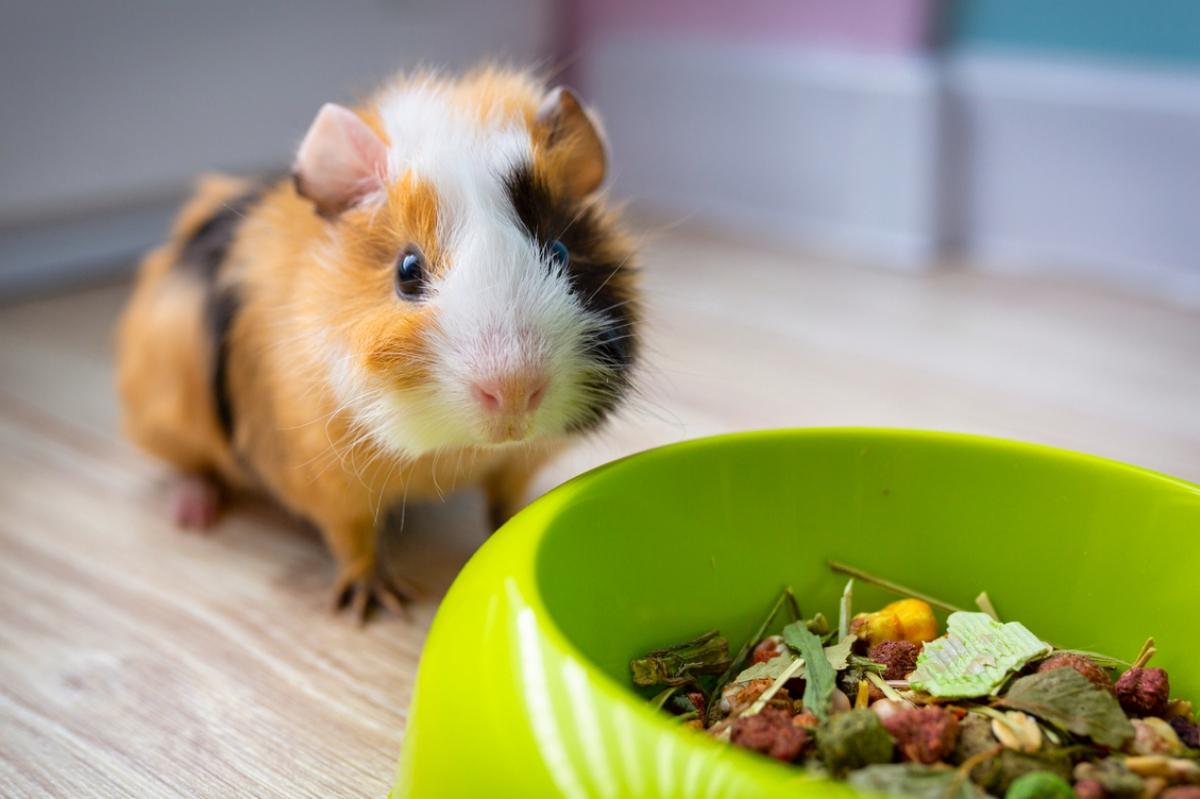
point(360, 589)
point(195, 503)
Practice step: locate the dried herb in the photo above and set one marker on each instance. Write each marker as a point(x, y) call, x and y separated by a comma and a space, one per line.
point(912, 779)
point(769, 670)
point(975, 657)
point(738, 662)
point(1041, 736)
point(984, 603)
point(661, 697)
point(853, 740)
point(845, 609)
point(820, 679)
point(1065, 698)
point(1103, 661)
point(888, 585)
point(865, 664)
point(785, 675)
point(837, 655)
point(818, 624)
point(682, 663)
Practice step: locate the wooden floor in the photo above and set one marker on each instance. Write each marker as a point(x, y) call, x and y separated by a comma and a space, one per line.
point(139, 661)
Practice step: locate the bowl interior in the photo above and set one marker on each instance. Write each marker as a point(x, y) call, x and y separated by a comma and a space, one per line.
point(1087, 553)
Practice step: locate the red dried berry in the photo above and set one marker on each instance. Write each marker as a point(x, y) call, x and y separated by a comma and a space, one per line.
point(1189, 733)
point(1089, 789)
point(1144, 692)
point(772, 733)
point(923, 735)
point(900, 657)
point(766, 649)
point(1085, 666)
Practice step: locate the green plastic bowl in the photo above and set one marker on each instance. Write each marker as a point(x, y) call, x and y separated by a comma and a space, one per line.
point(523, 686)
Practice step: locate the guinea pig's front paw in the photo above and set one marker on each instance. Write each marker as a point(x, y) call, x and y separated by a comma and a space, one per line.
point(196, 503)
point(359, 588)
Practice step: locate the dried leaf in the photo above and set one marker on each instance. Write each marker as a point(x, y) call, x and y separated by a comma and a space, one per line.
point(975, 657)
point(1065, 698)
point(838, 656)
point(820, 679)
point(912, 779)
point(768, 670)
point(679, 664)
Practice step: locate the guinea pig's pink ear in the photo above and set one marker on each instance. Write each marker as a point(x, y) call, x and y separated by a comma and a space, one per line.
point(340, 162)
point(575, 148)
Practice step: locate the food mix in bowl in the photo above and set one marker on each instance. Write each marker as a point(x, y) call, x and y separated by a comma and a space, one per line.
point(891, 704)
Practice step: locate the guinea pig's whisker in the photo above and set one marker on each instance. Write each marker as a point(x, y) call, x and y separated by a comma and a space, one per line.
point(611, 275)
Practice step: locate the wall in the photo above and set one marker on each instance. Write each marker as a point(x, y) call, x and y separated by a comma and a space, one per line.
point(1076, 124)
point(1016, 135)
point(810, 122)
point(866, 25)
point(1141, 31)
point(110, 109)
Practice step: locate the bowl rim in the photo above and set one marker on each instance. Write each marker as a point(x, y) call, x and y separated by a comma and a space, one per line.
point(532, 524)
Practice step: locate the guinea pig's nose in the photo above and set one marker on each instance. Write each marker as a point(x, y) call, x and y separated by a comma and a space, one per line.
point(511, 394)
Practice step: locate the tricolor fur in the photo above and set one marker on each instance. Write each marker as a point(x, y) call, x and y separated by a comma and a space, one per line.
point(324, 386)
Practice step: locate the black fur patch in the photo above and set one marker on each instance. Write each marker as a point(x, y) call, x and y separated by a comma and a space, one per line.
point(221, 308)
point(205, 250)
point(203, 255)
point(591, 269)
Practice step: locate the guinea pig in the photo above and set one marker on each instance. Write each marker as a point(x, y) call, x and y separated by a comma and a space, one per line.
point(437, 298)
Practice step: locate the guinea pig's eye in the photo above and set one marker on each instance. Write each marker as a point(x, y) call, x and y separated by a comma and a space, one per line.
point(410, 273)
point(559, 252)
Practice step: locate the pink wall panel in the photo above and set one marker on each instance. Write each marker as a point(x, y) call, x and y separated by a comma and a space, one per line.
point(872, 25)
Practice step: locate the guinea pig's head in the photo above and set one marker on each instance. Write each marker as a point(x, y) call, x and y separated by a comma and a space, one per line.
point(475, 291)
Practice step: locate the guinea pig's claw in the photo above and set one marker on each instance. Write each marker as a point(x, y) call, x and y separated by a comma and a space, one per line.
point(360, 592)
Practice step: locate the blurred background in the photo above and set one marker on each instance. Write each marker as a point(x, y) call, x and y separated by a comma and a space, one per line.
point(1009, 135)
point(970, 215)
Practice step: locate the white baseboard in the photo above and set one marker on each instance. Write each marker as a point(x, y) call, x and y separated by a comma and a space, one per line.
point(1077, 170)
point(828, 150)
point(1045, 167)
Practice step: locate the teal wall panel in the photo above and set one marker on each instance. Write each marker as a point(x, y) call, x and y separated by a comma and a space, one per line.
point(1148, 30)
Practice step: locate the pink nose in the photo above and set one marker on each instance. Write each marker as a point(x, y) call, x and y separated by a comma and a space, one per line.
point(510, 395)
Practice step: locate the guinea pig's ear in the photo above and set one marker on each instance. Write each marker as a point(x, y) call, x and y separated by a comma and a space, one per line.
point(575, 149)
point(340, 161)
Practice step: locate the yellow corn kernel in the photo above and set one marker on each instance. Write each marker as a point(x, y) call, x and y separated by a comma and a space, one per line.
point(904, 620)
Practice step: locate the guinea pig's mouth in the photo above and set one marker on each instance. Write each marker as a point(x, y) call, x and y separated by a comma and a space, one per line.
point(510, 431)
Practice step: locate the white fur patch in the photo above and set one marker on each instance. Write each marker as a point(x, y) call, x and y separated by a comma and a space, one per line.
point(500, 305)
